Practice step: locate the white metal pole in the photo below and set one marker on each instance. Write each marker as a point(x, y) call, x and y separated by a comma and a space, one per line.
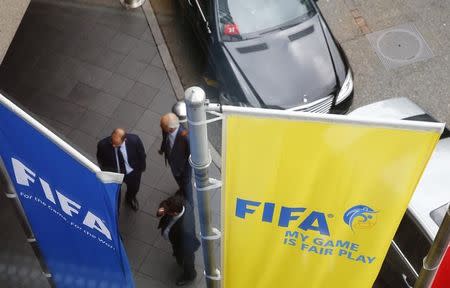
point(200, 160)
point(435, 255)
point(6, 184)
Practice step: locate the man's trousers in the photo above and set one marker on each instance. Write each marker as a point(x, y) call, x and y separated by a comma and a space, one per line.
point(133, 181)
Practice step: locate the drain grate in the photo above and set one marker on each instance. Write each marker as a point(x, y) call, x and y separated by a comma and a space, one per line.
point(399, 46)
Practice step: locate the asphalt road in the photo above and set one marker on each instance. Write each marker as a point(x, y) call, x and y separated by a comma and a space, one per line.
point(425, 81)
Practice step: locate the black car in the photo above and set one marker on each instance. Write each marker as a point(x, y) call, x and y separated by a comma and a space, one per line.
point(272, 54)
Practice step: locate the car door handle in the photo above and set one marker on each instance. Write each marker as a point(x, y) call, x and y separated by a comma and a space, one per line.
point(405, 279)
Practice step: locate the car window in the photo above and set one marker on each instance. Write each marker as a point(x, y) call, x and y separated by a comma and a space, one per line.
point(438, 214)
point(240, 19)
point(396, 271)
point(412, 241)
point(203, 7)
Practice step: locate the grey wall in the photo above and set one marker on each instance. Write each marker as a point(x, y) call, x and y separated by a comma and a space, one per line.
point(11, 13)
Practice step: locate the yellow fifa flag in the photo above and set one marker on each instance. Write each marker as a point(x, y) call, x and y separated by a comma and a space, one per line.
point(314, 201)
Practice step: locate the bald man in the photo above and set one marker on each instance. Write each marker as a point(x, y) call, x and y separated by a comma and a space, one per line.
point(124, 153)
point(175, 148)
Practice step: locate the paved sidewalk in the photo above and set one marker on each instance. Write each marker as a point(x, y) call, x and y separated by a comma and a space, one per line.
point(84, 70)
point(425, 82)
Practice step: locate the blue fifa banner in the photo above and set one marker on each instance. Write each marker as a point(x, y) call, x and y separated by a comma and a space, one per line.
point(70, 204)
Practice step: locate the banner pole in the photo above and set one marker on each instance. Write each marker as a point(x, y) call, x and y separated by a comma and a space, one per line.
point(434, 258)
point(6, 184)
point(200, 160)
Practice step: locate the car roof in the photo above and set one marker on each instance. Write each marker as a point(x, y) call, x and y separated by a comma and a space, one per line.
point(432, 190)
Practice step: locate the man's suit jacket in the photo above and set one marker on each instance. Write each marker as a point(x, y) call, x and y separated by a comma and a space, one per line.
point(106, 156)
point(182, 233)
point(178, 157)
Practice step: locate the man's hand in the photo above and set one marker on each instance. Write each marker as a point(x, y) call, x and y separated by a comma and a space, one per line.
point(161, 212)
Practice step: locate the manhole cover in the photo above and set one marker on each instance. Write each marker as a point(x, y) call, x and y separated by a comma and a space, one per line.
point(399, 46)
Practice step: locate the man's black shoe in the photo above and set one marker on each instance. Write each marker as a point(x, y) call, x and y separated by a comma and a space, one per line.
point(134, 204)
point(184, 281)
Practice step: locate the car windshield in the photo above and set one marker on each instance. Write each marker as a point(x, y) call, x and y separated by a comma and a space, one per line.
point(243, 19)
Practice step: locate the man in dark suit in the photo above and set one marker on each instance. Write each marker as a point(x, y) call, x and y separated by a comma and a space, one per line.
point(178, 226)
point(175, 148)
point(123, 153)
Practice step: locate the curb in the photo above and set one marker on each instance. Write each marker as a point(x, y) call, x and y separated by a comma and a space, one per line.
point(170, 67)
point(163, 50)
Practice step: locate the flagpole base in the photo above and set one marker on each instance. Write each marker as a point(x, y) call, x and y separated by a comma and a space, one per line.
point(132, 4)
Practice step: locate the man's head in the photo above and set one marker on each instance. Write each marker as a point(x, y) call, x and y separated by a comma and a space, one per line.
point(169, 122)
point(171, 206)
point(117, 137)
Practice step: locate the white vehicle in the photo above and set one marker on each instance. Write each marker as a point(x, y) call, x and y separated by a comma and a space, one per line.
point(428, 205)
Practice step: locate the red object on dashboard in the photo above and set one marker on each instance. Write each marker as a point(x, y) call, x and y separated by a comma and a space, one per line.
point(442, 279)
point(231, 29)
